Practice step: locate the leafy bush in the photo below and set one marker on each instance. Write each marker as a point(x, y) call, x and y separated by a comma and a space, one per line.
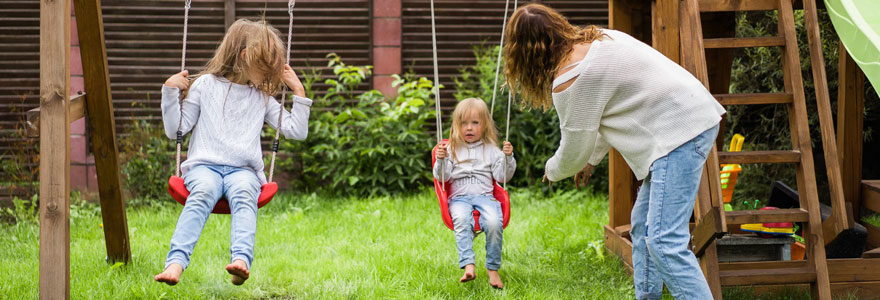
point(146, 161)
point(533, 132)
point(361, 143)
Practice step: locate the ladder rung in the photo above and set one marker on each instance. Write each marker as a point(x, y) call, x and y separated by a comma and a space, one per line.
point(756, 157)
point(768, 276)
point(767, 216)
point(764, 41)
point(757, 98)
point(736, 5)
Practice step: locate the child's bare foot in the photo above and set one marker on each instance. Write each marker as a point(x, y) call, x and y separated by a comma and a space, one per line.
point(239, 271)
point(469, 273)
point(495, 279)
point(171, 275)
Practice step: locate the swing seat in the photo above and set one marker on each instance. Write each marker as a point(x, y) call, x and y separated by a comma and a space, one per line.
point(442, 192)
point(178, 191)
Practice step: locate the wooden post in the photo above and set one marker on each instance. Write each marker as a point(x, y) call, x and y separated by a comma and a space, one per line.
point(850, 118)
point(99, 107)
point(229, 6)
point(54, 149)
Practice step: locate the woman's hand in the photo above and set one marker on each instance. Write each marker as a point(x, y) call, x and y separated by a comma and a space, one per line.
point(507, 148)
point(441, 151)
point(549, 183)
point(179, 80)
point(581, 178)
point(292, 81)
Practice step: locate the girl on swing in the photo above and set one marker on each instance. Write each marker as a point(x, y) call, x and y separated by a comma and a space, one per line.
point(610, 89)
point(476, 161)
point(225, 108)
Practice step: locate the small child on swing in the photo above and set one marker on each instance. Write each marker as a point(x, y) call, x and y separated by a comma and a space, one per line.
point(476, 161)
point(225, 108)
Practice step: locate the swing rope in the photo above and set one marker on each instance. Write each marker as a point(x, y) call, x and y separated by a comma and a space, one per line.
point(290, 5)
point(187, 5)
point(436, 91)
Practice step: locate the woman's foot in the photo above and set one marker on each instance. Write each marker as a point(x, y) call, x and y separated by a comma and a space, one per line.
point(239, 271)
point(171, 275)
point(469, 273)
point(495, 279)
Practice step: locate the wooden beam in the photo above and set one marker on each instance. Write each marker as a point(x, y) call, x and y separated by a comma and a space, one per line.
point(870, 198)
point(735, 5)
point(751, 99)
point(756, 157)
point(873, 235)
point(665, 28)
point(75, 110)
point(54, 149)
point(619, 246)
point(763, 41)
point(706, 231)
point(854, 269)
point(767, 216)
point(621, 190)
point(850, 124)
point(90, 29)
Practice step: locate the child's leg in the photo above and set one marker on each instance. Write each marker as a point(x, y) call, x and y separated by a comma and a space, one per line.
point(461, 210)
point(242, 190)
point(648, 284)
point(675, 180)
point(491, 221)
point(203, 183)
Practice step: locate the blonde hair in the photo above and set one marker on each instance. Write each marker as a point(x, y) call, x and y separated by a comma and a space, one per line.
point(537, 40)
point(263, 52)
point(463, 109)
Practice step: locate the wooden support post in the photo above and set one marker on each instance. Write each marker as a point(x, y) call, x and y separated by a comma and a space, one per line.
point(54, 149)
point(76, 110)
point(90, 29)
point(850, 119)
point(229, 17)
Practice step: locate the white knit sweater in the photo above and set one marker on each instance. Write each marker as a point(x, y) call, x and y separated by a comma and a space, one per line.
point(474, 167)
point(229, 133)
point(631, 97)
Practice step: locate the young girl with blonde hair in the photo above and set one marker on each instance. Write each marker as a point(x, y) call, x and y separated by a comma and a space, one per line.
point(611, 90)
point(475, 163)
point(225, 108)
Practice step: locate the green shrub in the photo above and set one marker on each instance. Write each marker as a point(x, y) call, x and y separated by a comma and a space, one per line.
point(533, 132)
point(146, 161)
point(361, 143)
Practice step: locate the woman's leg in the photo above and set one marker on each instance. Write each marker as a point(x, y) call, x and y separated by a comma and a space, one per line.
point(204, 185)
point(242, 190)
point(648, 284)
point(675, 180)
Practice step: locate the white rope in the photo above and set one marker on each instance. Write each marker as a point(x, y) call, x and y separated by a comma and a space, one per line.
point(290, 5)
point(436, 89)
point(187, 5)
point(498, 61)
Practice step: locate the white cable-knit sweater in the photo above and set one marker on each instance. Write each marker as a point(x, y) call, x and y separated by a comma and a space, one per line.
point(474, 167)
point(631, 97)
point(229, 134)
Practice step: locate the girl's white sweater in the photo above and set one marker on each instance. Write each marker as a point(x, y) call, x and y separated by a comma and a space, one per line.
point(474, 167)
point(631, 97)
point(229, 133)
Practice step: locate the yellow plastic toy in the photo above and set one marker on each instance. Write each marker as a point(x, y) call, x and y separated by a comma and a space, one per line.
point(730, 171)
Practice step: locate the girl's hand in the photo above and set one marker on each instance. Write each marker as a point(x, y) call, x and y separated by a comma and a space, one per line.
point(581, 178)
point(178, 80)
point(507, 148)
point(292, 81)
point(441, 151)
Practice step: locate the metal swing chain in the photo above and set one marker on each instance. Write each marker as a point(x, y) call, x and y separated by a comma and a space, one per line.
point(290, 5)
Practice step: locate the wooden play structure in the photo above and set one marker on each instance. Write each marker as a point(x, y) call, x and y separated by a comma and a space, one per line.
point(699, 35)
point(57, 109)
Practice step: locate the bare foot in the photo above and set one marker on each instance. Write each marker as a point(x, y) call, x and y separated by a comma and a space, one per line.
point(495, 279)
point(469, 273)
point(239, 271)
point(171, 275)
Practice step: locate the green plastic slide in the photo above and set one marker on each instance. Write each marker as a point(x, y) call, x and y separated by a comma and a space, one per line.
point(858, 24)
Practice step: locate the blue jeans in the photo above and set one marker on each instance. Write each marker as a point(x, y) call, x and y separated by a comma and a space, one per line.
point(660, 217)
point(461, 209)
point(207, 184)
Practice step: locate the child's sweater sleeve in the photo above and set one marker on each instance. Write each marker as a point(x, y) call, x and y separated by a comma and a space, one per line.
point(172, 112)
point(443, 169)
point(294, 124)
point(498, 172)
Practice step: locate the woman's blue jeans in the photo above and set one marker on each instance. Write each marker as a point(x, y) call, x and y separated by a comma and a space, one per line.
point(207, 184)
point(660, 217)
point(461, 209)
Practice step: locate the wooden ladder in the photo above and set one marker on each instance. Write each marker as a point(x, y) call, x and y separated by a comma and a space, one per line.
point(711, 219)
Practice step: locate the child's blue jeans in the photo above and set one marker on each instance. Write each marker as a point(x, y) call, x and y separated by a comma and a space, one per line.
point(461, 209)
point(207, 184)
point(660, 217)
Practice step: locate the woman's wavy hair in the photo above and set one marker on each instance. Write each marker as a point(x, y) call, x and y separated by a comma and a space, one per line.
point(537, 40)
point(264, 52)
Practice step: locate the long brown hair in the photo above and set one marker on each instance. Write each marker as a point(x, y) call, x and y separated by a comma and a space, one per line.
point(465, 108)
point(263, 52)
point(537, 40)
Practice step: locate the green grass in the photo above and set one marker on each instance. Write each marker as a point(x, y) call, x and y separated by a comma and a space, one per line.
point(309, 247)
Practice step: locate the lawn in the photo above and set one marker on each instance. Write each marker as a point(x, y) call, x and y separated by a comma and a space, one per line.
point(310, 247)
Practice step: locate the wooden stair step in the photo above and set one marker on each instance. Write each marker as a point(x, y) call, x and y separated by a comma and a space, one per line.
point(874, 253)
point(766, 272)
point(755, 98)
point(764, 41)
point(871, 195)
point(754, 157)
point(767, 216)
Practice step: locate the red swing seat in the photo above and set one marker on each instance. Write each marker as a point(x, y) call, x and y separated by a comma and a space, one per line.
point(178, 191)
point(442, 193)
